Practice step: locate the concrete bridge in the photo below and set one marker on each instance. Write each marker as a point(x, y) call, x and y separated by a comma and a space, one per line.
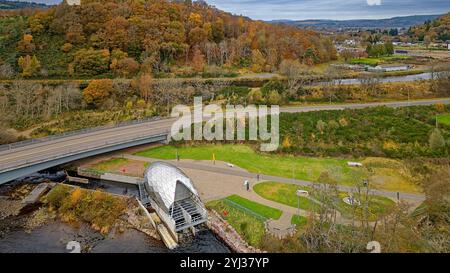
point(23, 158)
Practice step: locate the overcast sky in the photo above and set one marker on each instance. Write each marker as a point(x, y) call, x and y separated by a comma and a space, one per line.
point(325, 9)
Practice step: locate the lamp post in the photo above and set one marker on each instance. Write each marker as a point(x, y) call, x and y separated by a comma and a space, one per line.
point(300, 193)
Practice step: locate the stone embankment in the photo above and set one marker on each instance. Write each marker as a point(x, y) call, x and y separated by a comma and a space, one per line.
point(229, 235)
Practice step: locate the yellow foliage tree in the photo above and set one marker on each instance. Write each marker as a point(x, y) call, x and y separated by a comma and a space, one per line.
point(286, 142)
point(30, 66)
point(75, 196)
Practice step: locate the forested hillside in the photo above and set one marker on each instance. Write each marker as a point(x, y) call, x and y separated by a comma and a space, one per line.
point(122, 38)
point(19, 5)
point(436, 30)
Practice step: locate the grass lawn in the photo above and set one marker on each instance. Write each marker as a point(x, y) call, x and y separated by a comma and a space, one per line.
point(305, 168)
point(299, 220)
point(284, 194)
point(121, 166)
point(249, 227)
point(263, 210)
point(385, 176)
point(376, 61)
point(444, 119)
point(378, 206)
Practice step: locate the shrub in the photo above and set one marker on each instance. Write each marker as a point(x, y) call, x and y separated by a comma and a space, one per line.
point(91, 61)
point(98, 91)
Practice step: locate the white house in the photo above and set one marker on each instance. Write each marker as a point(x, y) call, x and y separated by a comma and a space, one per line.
point(354, 164)
point(389, 67)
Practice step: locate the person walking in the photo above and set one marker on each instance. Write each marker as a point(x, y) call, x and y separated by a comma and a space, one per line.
point(247, 185)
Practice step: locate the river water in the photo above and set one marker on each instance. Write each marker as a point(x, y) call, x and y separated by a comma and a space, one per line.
point(54, 235)
point(407, 78)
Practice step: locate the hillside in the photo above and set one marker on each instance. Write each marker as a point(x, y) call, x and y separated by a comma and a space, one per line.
point(396, 22)
point(9, 5)
point(120, 38)
point(432, 30)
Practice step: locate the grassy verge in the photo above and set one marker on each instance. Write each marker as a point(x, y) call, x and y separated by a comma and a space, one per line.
point(249, 227)
point(265, 211)
point(385, 176)
point(284, 194)
point(305, 168)
point(121, 166)
point(299, 220)
point(375, 61)
point(444, 119)
point(378, 206)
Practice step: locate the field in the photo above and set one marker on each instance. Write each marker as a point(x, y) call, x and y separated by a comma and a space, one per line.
point(378, 206)
point(299, 220)
point(386, 174)
point(286, 194)
point(376, 61)
point(245, 157)
point(444, 119)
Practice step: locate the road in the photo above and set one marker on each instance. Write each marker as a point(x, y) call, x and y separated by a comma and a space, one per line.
point(42, 151)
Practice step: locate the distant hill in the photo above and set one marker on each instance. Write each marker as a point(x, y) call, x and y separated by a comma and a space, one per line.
point(396, 22)
point(432, 30)
point(9, 5)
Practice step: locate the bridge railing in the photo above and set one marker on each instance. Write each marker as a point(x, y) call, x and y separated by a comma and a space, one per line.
point(75, 133)
point(68, 152)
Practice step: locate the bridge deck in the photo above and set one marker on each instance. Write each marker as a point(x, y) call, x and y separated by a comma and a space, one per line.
point(75, 146)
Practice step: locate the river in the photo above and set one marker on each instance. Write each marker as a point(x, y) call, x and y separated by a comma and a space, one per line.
point(407, 78)
point(53, 236)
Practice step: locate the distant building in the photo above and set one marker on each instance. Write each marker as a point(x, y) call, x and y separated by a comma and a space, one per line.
point(389, 68)
point(355, 164)
point(73, 2)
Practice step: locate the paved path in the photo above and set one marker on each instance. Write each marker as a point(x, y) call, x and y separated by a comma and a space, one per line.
point(219, 181)
point(222, 168)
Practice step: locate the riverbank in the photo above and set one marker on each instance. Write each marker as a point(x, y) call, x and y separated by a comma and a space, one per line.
point(42, 227)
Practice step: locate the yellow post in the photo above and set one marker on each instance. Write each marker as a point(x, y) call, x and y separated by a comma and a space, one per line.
point(214, 159)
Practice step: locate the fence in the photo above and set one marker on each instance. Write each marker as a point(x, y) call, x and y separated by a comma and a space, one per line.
point(244, 209)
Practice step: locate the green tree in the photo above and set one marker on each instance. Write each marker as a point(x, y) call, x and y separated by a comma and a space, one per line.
point(436, 139)
point(274, 98)
point(30, 66)
point(255, 96)
point(91, 61)
point(218, 31)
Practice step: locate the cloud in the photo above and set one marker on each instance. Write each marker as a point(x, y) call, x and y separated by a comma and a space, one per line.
point(374, 2)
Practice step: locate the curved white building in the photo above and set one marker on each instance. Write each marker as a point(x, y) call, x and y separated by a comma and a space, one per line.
point(173, 196)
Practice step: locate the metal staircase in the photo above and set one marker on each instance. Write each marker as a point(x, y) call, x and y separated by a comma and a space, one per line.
point(143, 195)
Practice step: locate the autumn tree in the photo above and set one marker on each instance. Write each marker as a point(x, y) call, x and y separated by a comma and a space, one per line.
point(145, 86)
point(98, 91)
point(198, 60)
point(255, 96)
point(258, 61)
point(218, 31)
point(30, 66)
point(91, 61)
point(26, 45)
